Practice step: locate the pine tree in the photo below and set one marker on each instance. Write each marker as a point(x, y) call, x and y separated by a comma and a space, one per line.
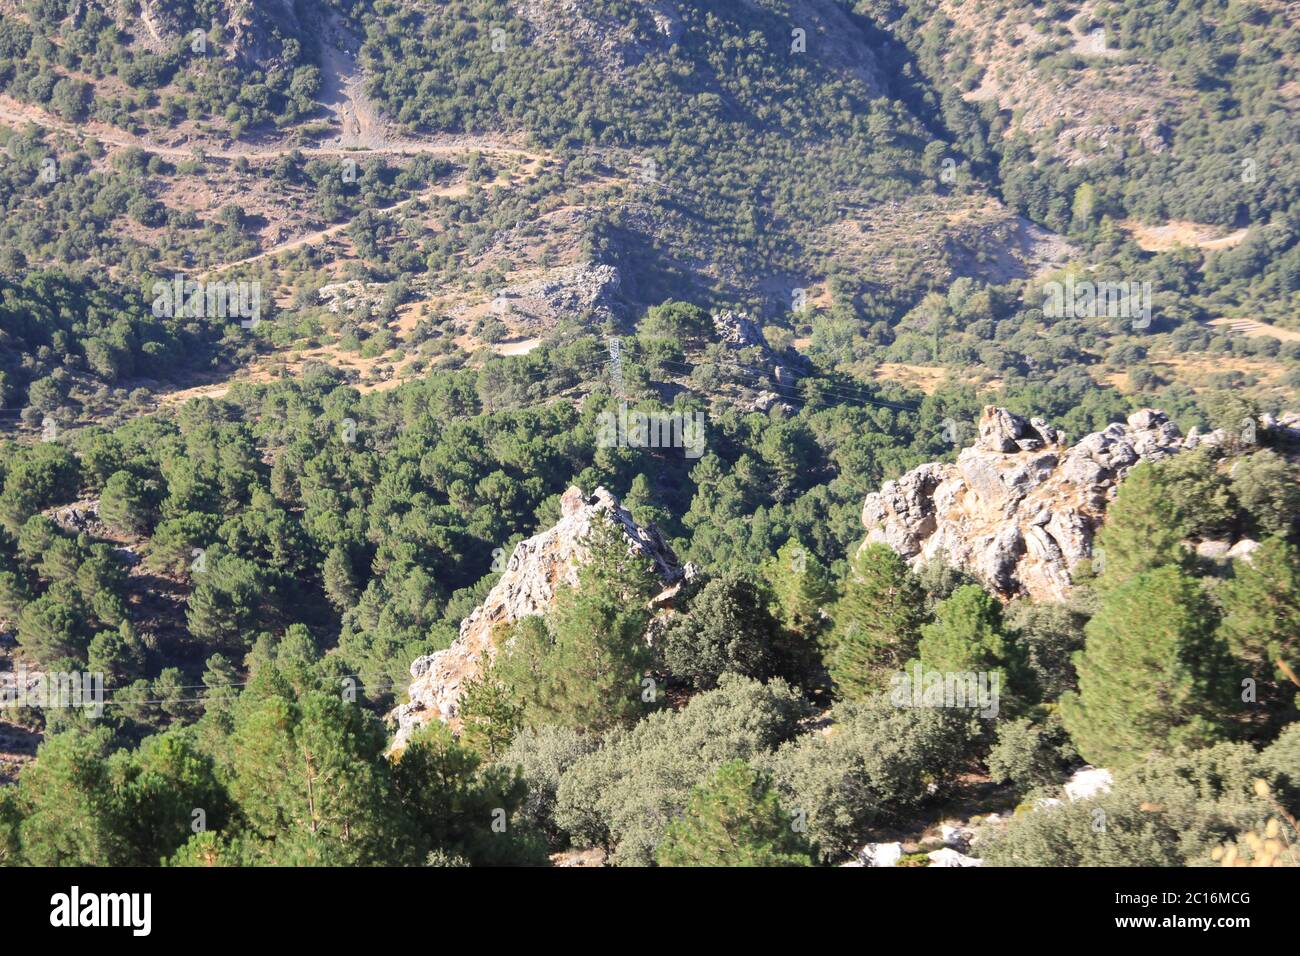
point(340, 579)
point(224, 604)
point(10, 820)
point(310, 777)
point(1150, 673)
point(490, 716)
point(1142, 529)
point(461, 809)
point(734, 820)
point(123, 504)
point(1261, 606)
point(221, 685)
point(119, 655)
point(803, 588)
point(594, 670)
point(640, 503)
point(877, 622)
point(966, 633)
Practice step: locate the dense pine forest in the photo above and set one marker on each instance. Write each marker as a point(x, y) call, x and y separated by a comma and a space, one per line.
point(313, 319)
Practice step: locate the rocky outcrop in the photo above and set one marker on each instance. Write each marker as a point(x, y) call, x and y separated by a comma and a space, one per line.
point(737, 330)
point(77, 517)
point(536, 568)
point(567, 291)
point(1020, 507)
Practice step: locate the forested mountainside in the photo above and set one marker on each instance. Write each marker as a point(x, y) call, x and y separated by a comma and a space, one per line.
point(482, 405)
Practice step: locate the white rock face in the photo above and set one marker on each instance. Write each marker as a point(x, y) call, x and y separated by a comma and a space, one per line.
point(878, 854)
point(950, 857)
point(537, 567)
point(1088, 782)
point(1019, 508)
point(738, 330)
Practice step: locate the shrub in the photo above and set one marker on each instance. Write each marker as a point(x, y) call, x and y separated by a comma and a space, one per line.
point(542, 756)
point(877, 760)
point(1048, 635)
point(1030, 754)
point(622, 796)
point(1269, 489)
point(1171, 811)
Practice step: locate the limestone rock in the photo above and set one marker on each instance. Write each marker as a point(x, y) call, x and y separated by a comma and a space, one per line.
point(537, 567)
point(1243, 550)
point(1088, 782)
point(574, 290)
point(956, 838)
point(950, 857)
point(738, 330)
point(352, 297)
point(878, 854)
point(1213, 550)
point(1020, 507)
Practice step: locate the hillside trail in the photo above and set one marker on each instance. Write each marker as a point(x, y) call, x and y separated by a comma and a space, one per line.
point(16, 113)
point(362, 131)
point(453, 191)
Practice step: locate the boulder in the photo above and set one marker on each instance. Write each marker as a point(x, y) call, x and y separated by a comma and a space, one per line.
point(1213, 550)
point(878, 854)
point(956, 838)
point(950, 857)
point(1243, 549)
point(1088, 782)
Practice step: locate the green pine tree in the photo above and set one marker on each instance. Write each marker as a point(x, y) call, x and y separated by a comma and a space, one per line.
point(640, 503)
point(877, 622)
point(490, 716)
point(124, 505)
point(340, 579)
point(1261, 606)
point(1143, 529)
point(1150, 672)
point(803, 588)
point(734, 820)
point(966, 633)
point(591, 676)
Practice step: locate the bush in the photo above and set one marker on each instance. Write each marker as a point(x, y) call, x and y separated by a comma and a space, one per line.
point(1030, 754)
point(542, 756)
point(622, 796)
point(1171, 811)
point(1282, 757)
point(877, 760)
point(727, 629)
point(1048, 635)
point(1269, 489)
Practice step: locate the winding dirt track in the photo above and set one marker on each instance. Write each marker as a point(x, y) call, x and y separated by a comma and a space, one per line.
point(362, 132)
point(15, 113)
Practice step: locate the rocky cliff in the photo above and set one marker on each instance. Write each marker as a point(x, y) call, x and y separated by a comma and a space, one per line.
point(537, 567)
point(1020, 507)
